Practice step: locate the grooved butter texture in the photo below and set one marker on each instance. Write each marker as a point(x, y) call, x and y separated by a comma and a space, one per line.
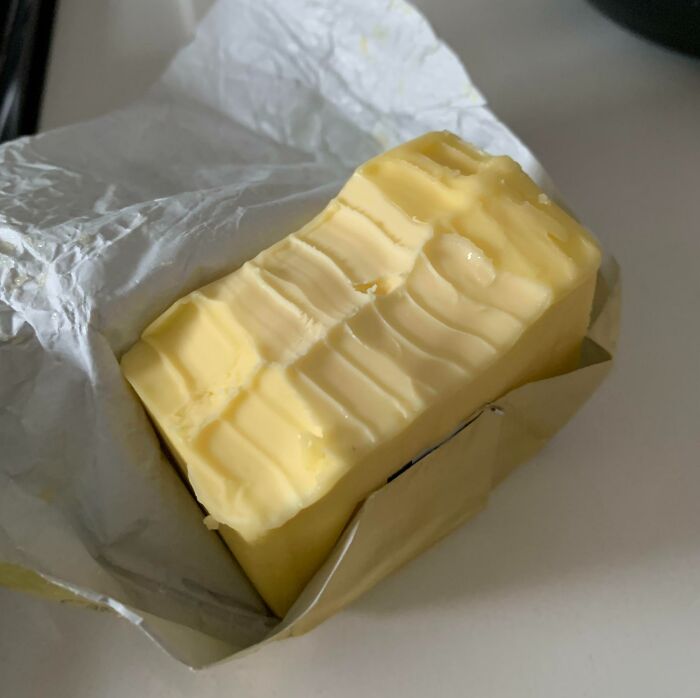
point(438, 279)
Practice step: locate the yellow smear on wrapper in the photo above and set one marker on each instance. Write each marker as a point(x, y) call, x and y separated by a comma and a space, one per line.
point(438, 279)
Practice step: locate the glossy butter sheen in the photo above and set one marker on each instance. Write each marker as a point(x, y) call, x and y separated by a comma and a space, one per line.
point(438, 279)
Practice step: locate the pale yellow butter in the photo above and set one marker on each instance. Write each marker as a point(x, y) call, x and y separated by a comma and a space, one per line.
point(438, 279)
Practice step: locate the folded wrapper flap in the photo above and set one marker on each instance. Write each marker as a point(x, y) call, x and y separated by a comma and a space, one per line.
point(452, 482)
point(103, 225)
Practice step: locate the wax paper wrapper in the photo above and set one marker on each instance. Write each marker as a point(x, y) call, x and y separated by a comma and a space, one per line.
point(251, 130)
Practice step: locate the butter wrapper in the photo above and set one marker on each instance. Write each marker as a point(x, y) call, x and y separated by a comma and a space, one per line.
point(250, 131)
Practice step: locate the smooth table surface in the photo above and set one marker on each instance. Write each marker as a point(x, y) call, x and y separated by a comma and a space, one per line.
point(582, 578)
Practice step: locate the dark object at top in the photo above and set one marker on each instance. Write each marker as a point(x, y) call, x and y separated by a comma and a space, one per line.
point(25, 35)
point(673, 23)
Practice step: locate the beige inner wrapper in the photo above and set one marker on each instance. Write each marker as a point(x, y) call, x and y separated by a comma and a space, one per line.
point(453, 482)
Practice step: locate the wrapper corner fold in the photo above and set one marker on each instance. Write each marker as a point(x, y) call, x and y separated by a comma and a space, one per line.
point(104, 224)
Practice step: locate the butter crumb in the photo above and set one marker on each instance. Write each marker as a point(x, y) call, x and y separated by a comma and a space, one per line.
point(211, 523)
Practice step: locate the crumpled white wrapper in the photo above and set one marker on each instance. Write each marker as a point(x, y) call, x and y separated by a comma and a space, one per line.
point(250, 131)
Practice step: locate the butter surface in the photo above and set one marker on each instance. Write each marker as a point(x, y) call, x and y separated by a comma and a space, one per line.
point(438, 279)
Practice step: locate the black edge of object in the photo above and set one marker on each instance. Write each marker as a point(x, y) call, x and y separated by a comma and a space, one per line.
point(672, 23)
point(26, 28)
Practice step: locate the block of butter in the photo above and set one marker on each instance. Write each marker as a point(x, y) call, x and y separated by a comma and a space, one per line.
point(438, 279)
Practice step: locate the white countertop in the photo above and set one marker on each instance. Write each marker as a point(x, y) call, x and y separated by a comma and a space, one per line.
point(582, 578)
